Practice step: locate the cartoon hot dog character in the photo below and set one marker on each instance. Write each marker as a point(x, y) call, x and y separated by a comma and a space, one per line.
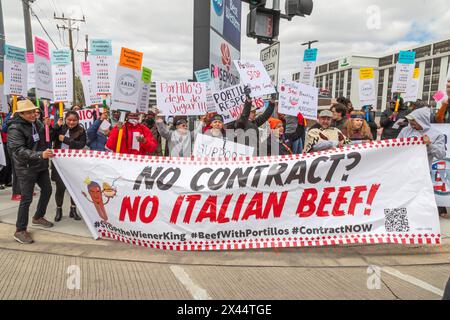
point(96, 197)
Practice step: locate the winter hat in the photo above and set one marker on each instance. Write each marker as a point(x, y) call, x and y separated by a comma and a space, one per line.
point(217, 117)
point(273, 123)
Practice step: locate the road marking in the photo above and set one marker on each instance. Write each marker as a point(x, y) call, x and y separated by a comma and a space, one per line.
point(414, 281)
point(197, 292)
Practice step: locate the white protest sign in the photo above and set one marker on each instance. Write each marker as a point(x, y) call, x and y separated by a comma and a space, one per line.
point(128, 79)
point(308, 100)
point(62, 75)
point(230, 103)
point(15, 82)
point(367, 94)
point(210, 89)
point(179, 98)
point(31, 72)
point(308, 69)
point(210, 147)
point(144, 95)
point(404, 72)
point(270, 57)
point(2, 155)
point(43, 70)
point(102, 66)
point(412, 92)
point(87, 117)
point(91, 99)
point(254, 74)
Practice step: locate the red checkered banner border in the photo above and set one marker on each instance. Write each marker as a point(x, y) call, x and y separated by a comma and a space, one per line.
point(386, 198)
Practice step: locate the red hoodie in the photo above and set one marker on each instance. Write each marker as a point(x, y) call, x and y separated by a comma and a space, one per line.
point(127, 140)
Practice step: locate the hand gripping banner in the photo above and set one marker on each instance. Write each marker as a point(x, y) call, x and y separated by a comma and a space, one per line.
point(363, 194)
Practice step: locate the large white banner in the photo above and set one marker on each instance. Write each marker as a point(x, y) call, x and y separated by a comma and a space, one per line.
point(210, 147)
point(254, 73)
point(15, 82)
point(179, 98)
point(332, 198)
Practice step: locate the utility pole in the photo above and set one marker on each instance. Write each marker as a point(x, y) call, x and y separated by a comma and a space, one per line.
point(2, 41)
point(27, 21)
point(309, 43)
point(68, 25)
point(86, 50)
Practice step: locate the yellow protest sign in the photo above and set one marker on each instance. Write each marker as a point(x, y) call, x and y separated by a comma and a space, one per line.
point(416, 73)
point(366, 73)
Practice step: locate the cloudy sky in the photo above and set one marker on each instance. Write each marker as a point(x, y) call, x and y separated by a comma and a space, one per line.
point(163, 30)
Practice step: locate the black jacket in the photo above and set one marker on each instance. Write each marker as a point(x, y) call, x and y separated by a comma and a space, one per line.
point(282, 147)
point(76, 140)
point(24, 151)
point(387, 123)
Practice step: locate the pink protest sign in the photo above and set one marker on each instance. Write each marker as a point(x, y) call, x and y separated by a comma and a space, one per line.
point(439, 96)
point(30, 57)
point(216, 72)
point(41, 48)
point(85, 68)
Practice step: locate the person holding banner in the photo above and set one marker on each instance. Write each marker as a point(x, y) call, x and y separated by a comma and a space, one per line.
point(391, 119)
point(356, 129)
point(66, 136)
point(29, 152)
point(325, 137)
point(137, 139)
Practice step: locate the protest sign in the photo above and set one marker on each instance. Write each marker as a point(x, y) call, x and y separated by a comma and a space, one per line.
point(210, 147)
point(177, 98)
point(298, 98)
point(404, 73)
point(367, 93)
point(87, 117)
point(15, 76)
point(102, 66)
point(440, 172)
point(3, 99)
point(254, 74)
point(62, 75)
point(91, 99)
point(144, 95)
point(2, 155)
point(230, 103)
point(43, 70)
point(412, 91)
point(270, 57)
point(308, 69)
point(128, 79)
point(31, 73)
point(203, 75)
point(333, 198)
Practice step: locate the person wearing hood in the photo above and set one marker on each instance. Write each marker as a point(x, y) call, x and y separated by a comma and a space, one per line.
point(98, 137)
point(389, 118)
point(179, 139)
point(137, 139)
point(420, 127)
point(29, 152)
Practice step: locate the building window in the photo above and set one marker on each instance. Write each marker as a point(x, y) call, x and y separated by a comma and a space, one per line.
point(390, 82)
point(386, 61)
point(442, 47)
point(380, 89)
point(349, 83)
point(423, 52)
point(334, 66)
point(323, 68)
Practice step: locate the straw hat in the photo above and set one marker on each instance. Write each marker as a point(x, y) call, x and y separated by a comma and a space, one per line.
point(25, 105)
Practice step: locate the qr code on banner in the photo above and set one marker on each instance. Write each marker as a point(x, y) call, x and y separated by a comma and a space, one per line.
point(397, 220)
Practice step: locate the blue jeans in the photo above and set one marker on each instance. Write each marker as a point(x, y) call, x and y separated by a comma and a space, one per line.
point(297, 146)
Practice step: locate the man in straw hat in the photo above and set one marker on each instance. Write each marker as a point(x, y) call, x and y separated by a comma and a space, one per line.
point(28, 150)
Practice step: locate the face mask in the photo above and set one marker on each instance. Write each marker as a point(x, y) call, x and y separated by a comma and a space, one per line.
point(150, 122)
point(133, 122)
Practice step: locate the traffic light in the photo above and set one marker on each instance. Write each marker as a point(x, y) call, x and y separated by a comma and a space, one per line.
point(299, 8)
point(256, 3)
point(263, 24)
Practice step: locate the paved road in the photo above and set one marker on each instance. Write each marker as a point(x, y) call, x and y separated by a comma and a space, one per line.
point(73, 266)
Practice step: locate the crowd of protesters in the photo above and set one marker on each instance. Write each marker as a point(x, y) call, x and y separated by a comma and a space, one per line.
point(269, 133)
